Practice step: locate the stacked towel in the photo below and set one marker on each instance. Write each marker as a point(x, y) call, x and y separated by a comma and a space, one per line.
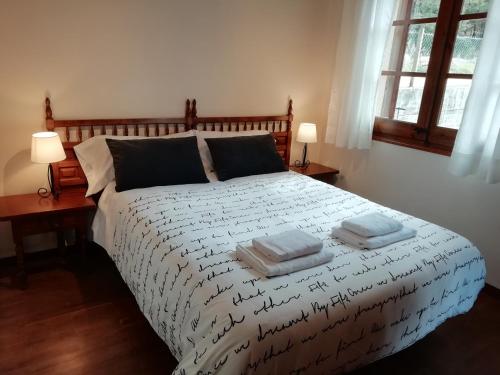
point(269, 268)
point(287, 245)
point(284, 253)
point(372, 231)
point(373, 224)
point(375, 241)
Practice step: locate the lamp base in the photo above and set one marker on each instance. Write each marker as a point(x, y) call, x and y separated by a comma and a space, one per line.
point(300, 164)
point(304, 163)
point(44, 192)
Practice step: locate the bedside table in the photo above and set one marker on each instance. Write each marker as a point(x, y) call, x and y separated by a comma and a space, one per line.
point(32, 214)
point(317, 171)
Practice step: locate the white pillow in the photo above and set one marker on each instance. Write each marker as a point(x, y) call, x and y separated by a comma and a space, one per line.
point(206, 157)
point(97, 162)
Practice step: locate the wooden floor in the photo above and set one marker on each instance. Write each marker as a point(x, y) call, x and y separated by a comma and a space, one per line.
point(73, 322)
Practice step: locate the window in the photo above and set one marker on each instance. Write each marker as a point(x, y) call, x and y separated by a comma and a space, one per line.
point(427, 72)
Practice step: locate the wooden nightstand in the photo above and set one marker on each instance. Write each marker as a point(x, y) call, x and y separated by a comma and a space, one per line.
point(31, 214)
point(317, 171)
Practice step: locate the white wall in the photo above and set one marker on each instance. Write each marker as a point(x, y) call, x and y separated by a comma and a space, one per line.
point(124, 58)
point(418, 183)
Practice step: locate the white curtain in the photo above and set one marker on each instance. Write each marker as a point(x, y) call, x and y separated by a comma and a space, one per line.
point(364, 31)
point(477, 146)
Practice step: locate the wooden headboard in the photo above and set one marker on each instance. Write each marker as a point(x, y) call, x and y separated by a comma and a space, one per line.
point(68, 173)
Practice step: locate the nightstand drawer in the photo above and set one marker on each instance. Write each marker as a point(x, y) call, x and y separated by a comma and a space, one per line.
point(49, 223)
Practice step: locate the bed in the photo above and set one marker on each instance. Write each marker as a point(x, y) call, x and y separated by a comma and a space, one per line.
point(174, 247)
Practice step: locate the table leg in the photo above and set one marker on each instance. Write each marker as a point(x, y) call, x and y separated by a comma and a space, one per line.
point(21, 278)
point(60, 243)
point(82, 244)
point(61, 246)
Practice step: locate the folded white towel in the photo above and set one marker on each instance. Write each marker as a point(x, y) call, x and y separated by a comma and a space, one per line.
point(269, 268)
point(372, 242)
point(287, 245)
point(373, 224)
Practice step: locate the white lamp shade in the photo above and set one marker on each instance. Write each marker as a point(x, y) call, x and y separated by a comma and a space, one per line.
point(46, 147)
point(307, 133)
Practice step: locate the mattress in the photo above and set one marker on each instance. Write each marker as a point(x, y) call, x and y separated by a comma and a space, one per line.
point(174, 247)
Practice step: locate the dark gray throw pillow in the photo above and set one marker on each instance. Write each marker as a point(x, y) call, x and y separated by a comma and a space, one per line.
point(244, 156)
point(156, 162)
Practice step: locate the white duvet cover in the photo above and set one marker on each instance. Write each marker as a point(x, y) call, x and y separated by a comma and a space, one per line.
point(174, 248)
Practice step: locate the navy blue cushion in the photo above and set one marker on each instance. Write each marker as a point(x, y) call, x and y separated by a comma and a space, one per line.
point(156, 162)
point(244, 156)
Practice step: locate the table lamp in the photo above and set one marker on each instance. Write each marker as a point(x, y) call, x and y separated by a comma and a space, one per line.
point(46, 147)
point(306, 134)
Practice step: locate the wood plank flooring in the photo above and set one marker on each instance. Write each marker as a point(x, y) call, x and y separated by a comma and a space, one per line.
point(73, 321)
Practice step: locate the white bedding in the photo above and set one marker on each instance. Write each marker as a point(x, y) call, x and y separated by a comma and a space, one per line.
point(173, 247)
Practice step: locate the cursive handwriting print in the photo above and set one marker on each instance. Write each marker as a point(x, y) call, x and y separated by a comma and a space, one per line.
point(174, 247)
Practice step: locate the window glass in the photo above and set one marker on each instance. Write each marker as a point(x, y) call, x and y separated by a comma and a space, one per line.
point(466, 47)
point(418, 47)
point(424, 9)
point(454, 100)
point(391, 54)
point(474, 6)
point(409, 98)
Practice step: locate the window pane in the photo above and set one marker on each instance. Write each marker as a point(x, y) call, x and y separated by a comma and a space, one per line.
point(474, 6)
point(418, 47)
point(394, 46)
point(409, 98)
point(454, 100)
point(467, 43)
point(384, 93)
point(425, 8)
